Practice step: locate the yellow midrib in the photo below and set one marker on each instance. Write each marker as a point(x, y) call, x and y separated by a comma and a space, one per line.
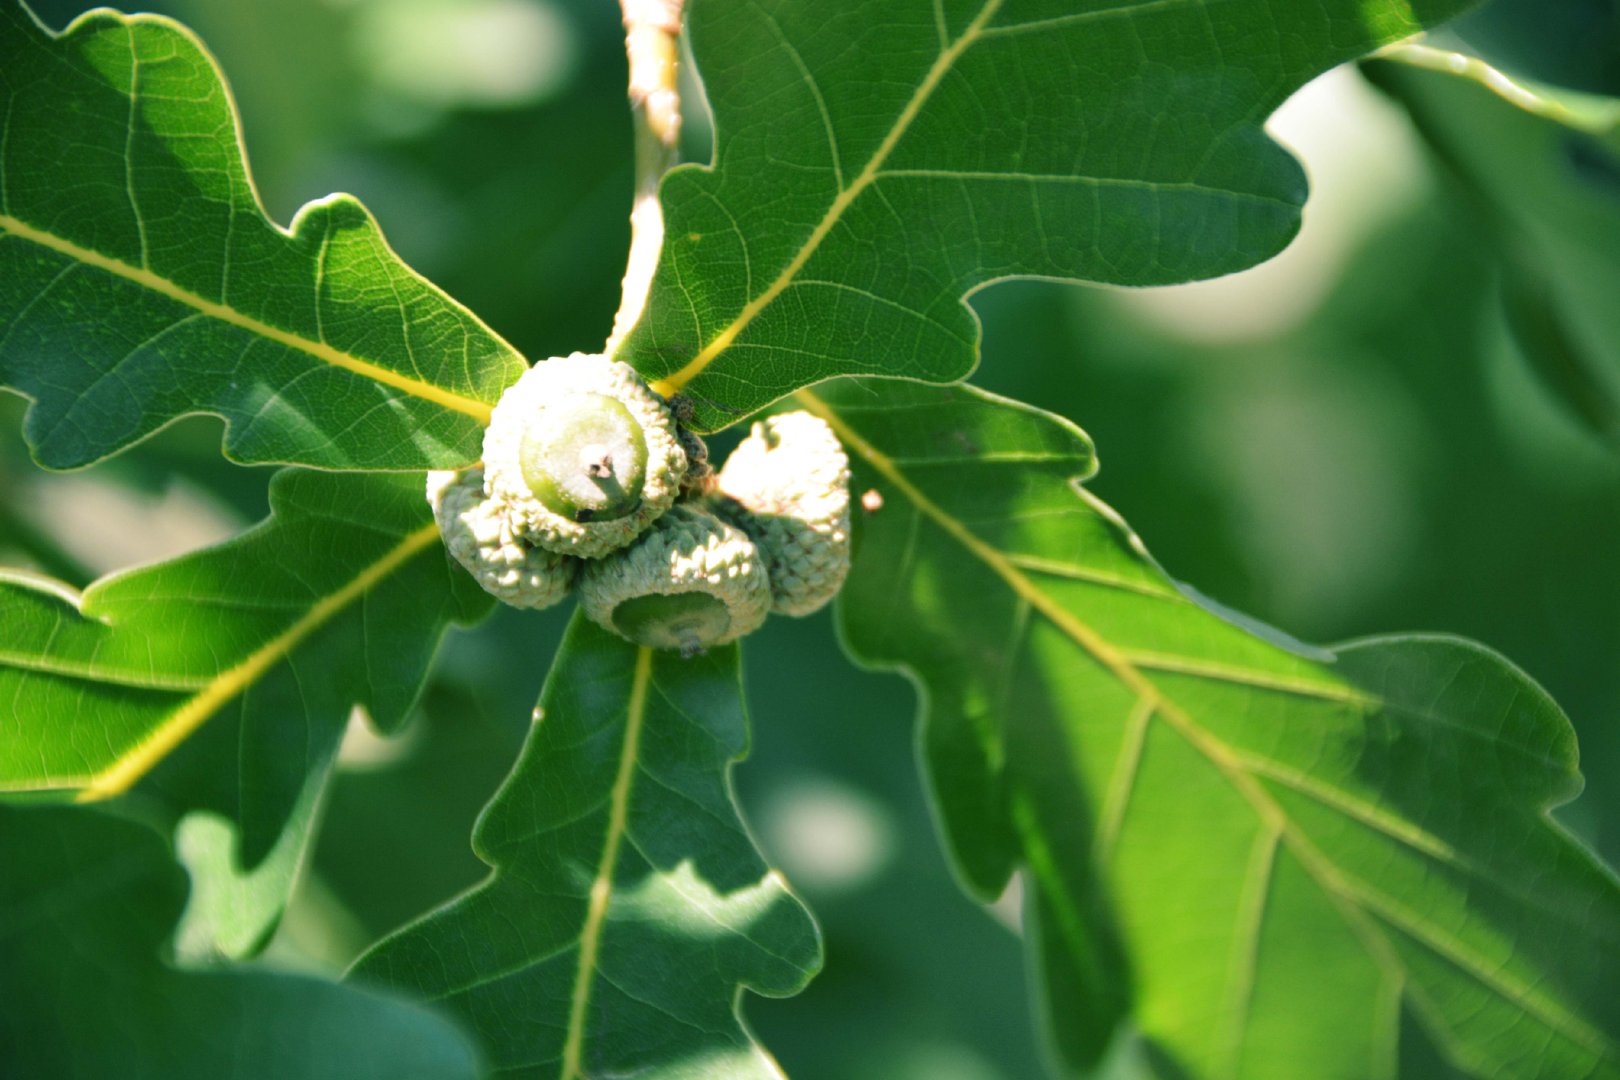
point(181, 724)
point(1350, 901)
point(590, 936)
point(320, 350)
point(671, 384)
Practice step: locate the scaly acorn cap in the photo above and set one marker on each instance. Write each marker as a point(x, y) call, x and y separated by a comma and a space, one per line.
point(582, 455)
point(477, 533)
point(787, 487)
point(690, 582)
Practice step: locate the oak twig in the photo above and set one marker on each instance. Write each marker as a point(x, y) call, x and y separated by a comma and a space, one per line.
point(652, 40)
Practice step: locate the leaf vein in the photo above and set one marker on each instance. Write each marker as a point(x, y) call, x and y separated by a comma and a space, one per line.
point(835, 212)
point(157, 743)
point(1357, 903)
point(602, 885)
point(1129, 183)
point(319, 350)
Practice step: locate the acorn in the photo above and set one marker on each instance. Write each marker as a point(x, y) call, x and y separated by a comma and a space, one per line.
point(478, 534)
point(787, 486)
point(582, 455)
point(689, 583)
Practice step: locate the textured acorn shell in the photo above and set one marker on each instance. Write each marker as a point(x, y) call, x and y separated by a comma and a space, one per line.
point(479, 536)
point(687, 550)
point(554, 386)
point(787, 487)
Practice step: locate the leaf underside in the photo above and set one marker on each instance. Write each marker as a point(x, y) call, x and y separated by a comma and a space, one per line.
point(88, 900)
point(140, 279)
point(876, 160)
point(1242, 859)
point(628, 902)
point(222, 680)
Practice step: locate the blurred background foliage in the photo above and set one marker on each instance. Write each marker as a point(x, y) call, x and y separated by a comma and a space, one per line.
point(1344, 441)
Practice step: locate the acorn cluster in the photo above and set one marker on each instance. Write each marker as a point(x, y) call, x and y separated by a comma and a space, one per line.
point(589, 481)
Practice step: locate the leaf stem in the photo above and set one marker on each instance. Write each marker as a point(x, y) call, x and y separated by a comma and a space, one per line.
point(652, 30)
point(1598, 117)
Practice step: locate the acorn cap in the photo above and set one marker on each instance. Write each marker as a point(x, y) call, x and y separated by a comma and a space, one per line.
point(477, 533)
point(690, 582)
point(582, 455)
point(787, 486)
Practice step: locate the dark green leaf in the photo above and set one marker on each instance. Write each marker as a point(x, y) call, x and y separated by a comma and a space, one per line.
point(85, 903)
point(140, 280)
point(1243, 860)
point(921, 982)
point(1543, 177)
point(1580, 377)
point(628, 902)
point(1574, 43)
point(232, 910)
point(876, 160)
point(246, 657)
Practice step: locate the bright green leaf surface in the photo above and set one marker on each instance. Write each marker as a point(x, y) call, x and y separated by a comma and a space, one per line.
point(878, 159)
point(1544, 176)
point(245, 658)
point(86, 901)
point(1243, 859)
point(140, 279)
point(628, 902)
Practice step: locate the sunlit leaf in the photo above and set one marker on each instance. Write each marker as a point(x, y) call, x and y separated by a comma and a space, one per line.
point(628, 902)
point(140, 280)
point(1244, 858)
point(86, 901)
point(876, 160)
point(222, 680)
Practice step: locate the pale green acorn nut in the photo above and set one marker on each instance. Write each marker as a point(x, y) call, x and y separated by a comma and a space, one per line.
point(478, 535)
point(787, 486)
point(689, 583)
point(582, 455)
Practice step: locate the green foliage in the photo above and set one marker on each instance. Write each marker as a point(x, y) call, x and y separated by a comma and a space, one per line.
point(1209, 814)
point(251, 653)
point(88, 900)
point(875, 163)
point(142, 281)
point(1575, 43)
point(628, 902)
point(1543, 176)
point(1240, 856)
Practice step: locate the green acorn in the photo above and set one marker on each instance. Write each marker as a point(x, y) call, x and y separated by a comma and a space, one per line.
point(690, 582)
point(478, 534)
point(787, 487)
point(582, 455)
